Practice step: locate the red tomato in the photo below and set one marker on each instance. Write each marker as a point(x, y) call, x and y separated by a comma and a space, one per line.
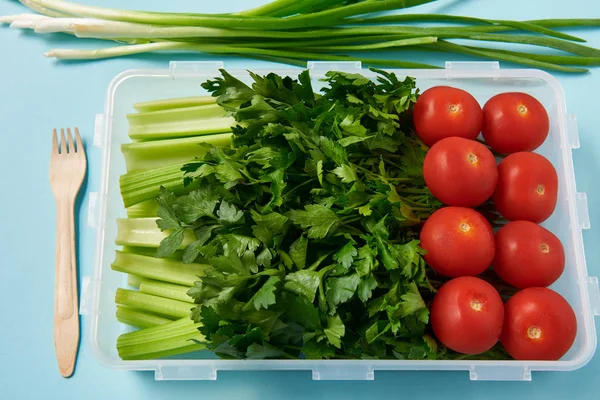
point(528, 255)
point(527, 188)
point(459, 241)
point(444, 111)
point(460, 172)
point(514, 122)
point(539, 324)
point(467, 315)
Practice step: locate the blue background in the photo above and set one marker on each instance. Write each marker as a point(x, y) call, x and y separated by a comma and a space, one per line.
point(37, 94)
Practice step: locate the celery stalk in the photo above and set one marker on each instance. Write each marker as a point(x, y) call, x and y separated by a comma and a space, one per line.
point(165, 270)
point(177, 327)
point(152, 304)
point(139, 319)
point(145, 185)
point(143, 232)
point(159, 153)
point(144, 209)
point(134, 280)
point(166, 290)
point(165, 340)
point(150, 252)
point(171, 346)
point(169, 104)
point(179, 122)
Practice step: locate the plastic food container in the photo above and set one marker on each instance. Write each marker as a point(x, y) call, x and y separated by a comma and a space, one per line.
point(483, 80)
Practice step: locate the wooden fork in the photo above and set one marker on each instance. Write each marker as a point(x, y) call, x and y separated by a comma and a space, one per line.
point(67, 170)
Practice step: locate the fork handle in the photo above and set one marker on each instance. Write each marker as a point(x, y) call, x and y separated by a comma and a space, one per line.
point(66, 317)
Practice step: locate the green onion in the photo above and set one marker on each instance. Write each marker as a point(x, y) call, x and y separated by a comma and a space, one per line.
point(293, 32)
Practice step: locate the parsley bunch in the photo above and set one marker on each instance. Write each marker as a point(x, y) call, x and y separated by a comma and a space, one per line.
point(308, 221)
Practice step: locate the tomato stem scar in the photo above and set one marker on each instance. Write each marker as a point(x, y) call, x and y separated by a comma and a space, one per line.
point(472, 158)
point(540, 189)
point(476, 305)
point(453, 108)
point(545, 248)
point(465, 227)
point(522, 109)
point(534, 332)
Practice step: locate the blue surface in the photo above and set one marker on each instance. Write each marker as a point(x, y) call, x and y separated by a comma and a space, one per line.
point(37, 94)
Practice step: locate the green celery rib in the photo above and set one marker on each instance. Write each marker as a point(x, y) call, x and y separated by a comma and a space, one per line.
point(153, 304)
point(179, 122)
point(145, 185)
point(144, 209)
point(179, 326)
point(166, 290)
point(139, 319)
point(159, 153)
point(160, 269)
point(134, 280)
point(176, 345)
point(150, 252)
point(143, 232)
point(170, 339)
point(169, 104)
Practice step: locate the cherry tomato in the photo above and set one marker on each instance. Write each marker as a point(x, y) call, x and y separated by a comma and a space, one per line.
point(528, 255)
point(539, 324)
point(460, 172)
point(444, 111)
point(467, 315)
point(514, 122)
point(527, 188)
point(459, 241)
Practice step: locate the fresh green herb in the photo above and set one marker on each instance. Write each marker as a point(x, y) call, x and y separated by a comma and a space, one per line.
point(293, 32)
point(307, 221)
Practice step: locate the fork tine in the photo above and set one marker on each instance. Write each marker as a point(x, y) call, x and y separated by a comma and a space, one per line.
point(70, 138)
point(54, 142)
point(63, 142)
point(78, 140)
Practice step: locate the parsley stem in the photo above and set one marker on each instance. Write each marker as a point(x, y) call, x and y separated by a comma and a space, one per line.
point(407, 180)
point(351, 218)
point(392, 163)
point(299, 186)
point(319, 260)
point(269, 272)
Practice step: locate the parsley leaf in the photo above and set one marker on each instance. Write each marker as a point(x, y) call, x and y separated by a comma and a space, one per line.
point(340, 290)
point(346, 173)
point(303, 283)
point(265, 296)
point(346, 254)
point(319, 219)
point(298, 251)
point(229, 214)
point(335, 330)
point(166, 213)
point(170, 244)
point(197, 204)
